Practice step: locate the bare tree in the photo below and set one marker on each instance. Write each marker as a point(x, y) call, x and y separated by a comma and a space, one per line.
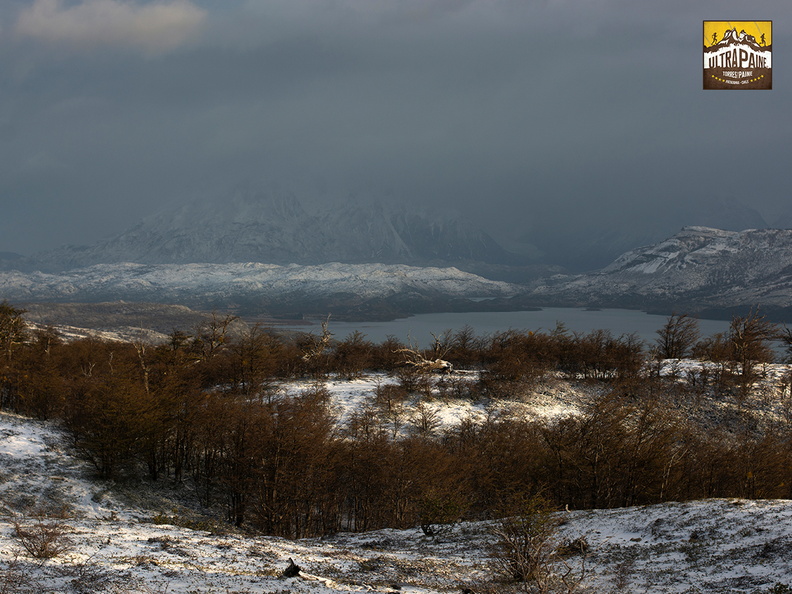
point(12, 333)
point(213, 335)
point(677, 336)
point(12, 328)
point(750, 339)
point(317, 346)
point(352, 355)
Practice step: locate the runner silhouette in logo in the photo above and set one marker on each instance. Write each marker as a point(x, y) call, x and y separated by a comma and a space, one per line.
point(763, 39)
point(714, 38)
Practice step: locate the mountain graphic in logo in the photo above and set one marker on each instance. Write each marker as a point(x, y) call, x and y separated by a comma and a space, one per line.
point(731, 37)
point(738, 55)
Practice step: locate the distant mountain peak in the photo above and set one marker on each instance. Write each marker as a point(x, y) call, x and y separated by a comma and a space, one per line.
point(275, 226)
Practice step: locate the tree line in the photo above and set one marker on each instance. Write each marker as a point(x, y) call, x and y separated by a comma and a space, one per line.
point(207, 411)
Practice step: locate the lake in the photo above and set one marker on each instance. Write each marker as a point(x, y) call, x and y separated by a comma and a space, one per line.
point(419, 328)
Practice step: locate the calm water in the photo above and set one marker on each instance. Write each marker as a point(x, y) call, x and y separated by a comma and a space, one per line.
point(418, 329)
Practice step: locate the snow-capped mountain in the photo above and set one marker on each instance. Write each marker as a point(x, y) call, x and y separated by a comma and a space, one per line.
point(278, 228)
point(585, 244)
point(699, 267)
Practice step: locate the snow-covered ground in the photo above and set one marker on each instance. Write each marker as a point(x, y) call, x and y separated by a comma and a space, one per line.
point(119, 539)
point(551, 397)
point(441, 410)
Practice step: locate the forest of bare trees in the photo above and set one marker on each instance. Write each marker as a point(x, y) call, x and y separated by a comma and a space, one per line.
point(208, 413)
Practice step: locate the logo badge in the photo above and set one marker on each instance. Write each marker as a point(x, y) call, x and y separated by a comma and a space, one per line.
point(738, 55)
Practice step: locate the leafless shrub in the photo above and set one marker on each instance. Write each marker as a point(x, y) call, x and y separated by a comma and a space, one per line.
point(12, 576)
point(44, 539)
point(89, 577)
point(389, 396)
point(439, 512)
point(698, 380)
point(456, 388)
point(528, 550)
point(415, 381)
point(426, 420)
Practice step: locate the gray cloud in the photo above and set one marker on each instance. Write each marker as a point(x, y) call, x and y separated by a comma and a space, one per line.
point(152, 28)
point(522, 114)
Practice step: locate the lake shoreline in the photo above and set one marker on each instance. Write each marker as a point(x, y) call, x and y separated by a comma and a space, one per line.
point(420, 328)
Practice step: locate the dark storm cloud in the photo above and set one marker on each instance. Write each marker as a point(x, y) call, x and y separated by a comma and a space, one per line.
point(520, 113)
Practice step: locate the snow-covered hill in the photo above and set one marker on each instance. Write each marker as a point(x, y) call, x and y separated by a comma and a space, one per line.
point(699, 267)
point(133, 539)
point(191, 283)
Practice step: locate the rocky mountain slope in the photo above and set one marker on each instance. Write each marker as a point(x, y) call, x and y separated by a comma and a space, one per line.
point(698, 268)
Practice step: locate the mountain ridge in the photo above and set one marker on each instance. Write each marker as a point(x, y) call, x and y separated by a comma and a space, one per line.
point(363, 290)
point(697, 268)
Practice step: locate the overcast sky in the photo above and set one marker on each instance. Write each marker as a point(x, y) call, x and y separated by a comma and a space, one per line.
point(513, 111)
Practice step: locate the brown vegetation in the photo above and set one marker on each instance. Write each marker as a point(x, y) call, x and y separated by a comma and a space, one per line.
point(203, 411)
